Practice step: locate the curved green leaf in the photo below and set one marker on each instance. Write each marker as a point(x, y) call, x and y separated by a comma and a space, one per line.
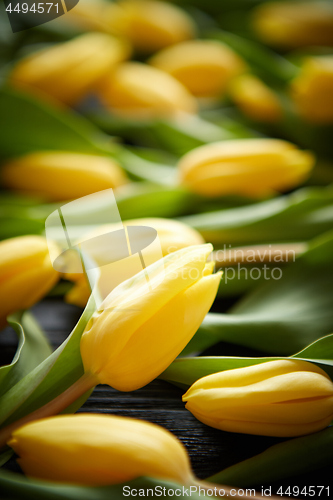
point(299, 216)
point(147, 170)
point(282, 316)
point(28, 124)
point(134, 200)
point(15, 487)
point(33, 348)
point(185, 371)
point(148, 200)
point(50, 378)
point(261, 59)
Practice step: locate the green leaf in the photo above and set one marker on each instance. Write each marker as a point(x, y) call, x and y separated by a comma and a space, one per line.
point(185, 371)
point(28, 124)
point(147, 170)
point(287, 459)
point(182, 136)
point(299, 216)
point(260, 58)
point(138, 200)
point(281, 316)
point(319, 352)
point(33, 348)
point(18, 219)
point(15, 487)
point(6, 455)
point(134, 200)
point(50, 378)
point(175, 136)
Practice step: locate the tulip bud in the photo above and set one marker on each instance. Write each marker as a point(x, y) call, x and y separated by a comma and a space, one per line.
point(99, 450)
point(61, 175)
point(255, 99)
point(204, 67)
point(70, 70)
point(295, 24)
point(26, 273)
point(95, 15)
point(172, 235)
point(277, 398)
point(141, 327)
point(151, 25)
point(250, 167)
point(139, 91)
point(312, 90)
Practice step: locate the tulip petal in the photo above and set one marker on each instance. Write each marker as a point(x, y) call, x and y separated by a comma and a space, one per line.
point(131, 304)
point(278, 398)
point(159, 341)
point(264, 428)
point(98, 450)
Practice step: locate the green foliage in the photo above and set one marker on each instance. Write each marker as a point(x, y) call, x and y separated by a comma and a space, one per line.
point(280, 316)
point(185, 371)
point(28, 124)
point(15, 487)
point(299, 216)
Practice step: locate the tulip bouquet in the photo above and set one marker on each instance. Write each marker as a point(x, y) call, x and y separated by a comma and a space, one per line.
point(211, 123)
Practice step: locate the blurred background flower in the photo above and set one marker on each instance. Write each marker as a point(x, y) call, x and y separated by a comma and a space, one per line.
point(26, 273)
point(61, 175)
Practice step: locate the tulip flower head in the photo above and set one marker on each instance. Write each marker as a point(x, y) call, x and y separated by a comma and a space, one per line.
point(145, 322)
point(93, 15)
point(68, 71)
point(26, 273)
point(151, 25)
point(204, 67)
point(294, 24)
point(250, 167)
point(255, 99)
point(61, 175)
point(172, 235)
point(136, 90)
point(98, 450)
point(312, 90)
point(277, 398)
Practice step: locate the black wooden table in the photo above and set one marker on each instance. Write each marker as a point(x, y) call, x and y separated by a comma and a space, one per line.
point(210, 450)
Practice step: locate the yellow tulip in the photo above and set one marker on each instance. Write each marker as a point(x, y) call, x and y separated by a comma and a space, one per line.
point(250, 167)
point(99, 450)
point(139, 91)
point(204, 67)
point(68, 71)
point(255, 99)
point(312, 90)
point(277, 398)
point(144, 324)
point(26, 273)
point(173, 236)
point(151, 25)
point(94, 15)
point(61, 175)
point(295, 24)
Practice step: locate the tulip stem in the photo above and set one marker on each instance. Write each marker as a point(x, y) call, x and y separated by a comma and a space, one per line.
point(258, 254)
point(221, 490)
point(53, 407)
